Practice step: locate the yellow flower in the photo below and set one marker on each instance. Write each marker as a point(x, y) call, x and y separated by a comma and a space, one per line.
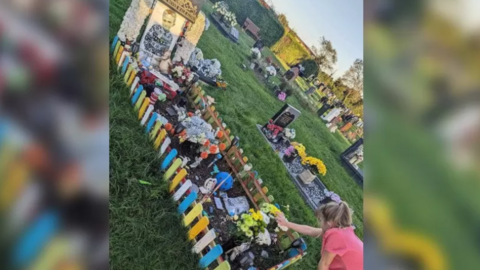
point(257, 215)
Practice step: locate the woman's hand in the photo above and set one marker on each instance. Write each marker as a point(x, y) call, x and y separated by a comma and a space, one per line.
point(281, 220)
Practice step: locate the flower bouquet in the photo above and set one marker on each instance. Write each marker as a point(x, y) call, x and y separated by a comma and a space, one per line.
point(227, 17)
point(272, 130)
point(270, 71)
point(255, 54)
point(289, 154)
point(182, 74)
point(317, 163)
point(253, 225)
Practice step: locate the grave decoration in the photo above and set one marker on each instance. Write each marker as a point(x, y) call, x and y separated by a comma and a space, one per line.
point(134, 19)
point(209, 70)
point(330, 196)
point(255, 54)
point(272, 131)
point(285, 116)
point(182, 75)
point(270, 71)
point(311, 161)
point(170, 124)
point(289, 154)
point(226, 16)
point(282, 96)
point(186, 46)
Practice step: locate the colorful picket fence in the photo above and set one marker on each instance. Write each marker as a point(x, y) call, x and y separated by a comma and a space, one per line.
point(179, 186)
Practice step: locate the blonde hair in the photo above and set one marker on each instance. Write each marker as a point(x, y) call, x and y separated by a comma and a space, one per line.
point(337, 213)
point(170, 13)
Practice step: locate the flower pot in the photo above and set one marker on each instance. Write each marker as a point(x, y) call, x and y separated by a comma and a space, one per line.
point(289, 159)
point(307, 176)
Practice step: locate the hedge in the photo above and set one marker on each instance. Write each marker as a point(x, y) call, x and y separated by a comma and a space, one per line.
point(311, 68)
point(270, 28)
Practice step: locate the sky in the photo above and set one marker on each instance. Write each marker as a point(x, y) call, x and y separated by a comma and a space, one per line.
point(340, 21)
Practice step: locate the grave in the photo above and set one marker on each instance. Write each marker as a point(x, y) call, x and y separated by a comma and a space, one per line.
point(312, 193)
point(351, 157)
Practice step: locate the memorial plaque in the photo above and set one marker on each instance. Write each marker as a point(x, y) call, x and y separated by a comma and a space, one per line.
point(286, 116)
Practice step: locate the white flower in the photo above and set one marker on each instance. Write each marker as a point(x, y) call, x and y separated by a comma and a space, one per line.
point(183, 77)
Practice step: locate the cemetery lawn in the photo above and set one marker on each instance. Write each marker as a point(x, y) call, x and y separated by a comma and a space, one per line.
point(145, 231)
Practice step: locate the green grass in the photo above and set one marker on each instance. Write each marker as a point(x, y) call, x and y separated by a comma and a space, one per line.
point(145, 231)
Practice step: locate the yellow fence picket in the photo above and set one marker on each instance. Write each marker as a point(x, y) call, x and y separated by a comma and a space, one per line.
point(200, 226)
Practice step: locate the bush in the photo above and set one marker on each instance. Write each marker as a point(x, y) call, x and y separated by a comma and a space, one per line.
point(270, 28)
point(311, 68)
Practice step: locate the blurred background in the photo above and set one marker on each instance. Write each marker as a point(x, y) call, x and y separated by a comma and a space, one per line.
point(54, 134)
point(422, 140)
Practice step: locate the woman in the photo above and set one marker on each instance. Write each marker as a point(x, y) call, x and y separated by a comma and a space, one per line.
point(341, 248)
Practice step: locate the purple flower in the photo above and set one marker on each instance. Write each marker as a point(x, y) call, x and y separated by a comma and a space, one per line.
point(282, 96)
point(335, 198)
point(289, 150)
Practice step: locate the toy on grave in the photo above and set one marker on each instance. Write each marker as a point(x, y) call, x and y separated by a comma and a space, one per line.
point(185, 161)
point(298, 243)
point(198, 160)
point(165, 64)
point(217, 158)
point(215, 170)
point(246, 168)
point(235, 251)
point(227, 180)
point(246, 259)
point(208, 186)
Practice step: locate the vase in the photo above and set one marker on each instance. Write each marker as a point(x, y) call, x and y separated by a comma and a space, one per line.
point(289, 159)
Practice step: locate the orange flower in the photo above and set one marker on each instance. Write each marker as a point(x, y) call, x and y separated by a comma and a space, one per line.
point(213, 149)
point(204, 155)
point(190, 114)
point(207, 143)
point(219, 134)
point(168, 126)
point(222, 146)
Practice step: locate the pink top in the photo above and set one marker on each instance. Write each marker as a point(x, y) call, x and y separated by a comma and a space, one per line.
point(347, 246)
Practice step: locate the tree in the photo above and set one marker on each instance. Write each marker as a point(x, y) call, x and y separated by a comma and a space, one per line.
point(283, 20)
point(353, 78)
point(325, 55)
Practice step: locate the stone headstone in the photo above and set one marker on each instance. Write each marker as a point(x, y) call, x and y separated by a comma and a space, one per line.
point(332, 114)
point(286, 116)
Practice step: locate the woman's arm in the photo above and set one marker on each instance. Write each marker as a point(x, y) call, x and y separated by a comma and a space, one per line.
point(326, 260)
point(303, 229)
